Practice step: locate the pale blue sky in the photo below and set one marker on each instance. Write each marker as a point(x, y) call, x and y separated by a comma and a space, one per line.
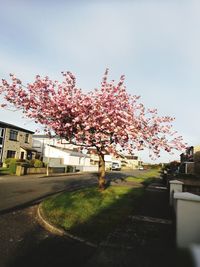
point(156, 44)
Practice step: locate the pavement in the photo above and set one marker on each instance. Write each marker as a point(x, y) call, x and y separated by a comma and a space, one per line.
point(24, 243)
point(146, 239)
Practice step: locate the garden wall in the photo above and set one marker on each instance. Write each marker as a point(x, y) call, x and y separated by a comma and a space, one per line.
point(37, 170)
point(23, 170)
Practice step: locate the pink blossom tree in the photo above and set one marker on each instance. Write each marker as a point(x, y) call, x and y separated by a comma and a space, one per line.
point(107, 118)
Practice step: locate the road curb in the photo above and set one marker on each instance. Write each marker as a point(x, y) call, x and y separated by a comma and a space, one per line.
point(58, 231)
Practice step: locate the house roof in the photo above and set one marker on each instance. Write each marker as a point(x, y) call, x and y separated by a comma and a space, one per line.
point(40, 136)
point(11, 126)
point(46, 136)
point(28, 149)
point(132, 157)
point(71, 151)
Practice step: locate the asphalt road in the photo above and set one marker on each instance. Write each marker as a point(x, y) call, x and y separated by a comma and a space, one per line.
point(23, 242)
point(26, 190)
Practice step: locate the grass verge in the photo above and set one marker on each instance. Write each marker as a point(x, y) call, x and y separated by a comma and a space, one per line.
point(91, 214)
point(145, 178)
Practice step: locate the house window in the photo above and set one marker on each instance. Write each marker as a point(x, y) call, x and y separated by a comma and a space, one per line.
point(13, 135)
point(36, 144)
point(22, 155)
point(11, 154)
point(1, 132)
point(1, 135)
point(26, 138)
point(0, 156)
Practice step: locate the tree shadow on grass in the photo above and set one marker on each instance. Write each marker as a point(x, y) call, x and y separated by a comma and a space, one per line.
point(40, 248)
point(98, 227)
point(120, 176)
point(124, 180)
point(111, 225)
point(57, 187)
point(116, 178)
point(150, 180)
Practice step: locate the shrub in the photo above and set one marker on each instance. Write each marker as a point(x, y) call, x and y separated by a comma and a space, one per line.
point(32, 162)
point(12, 164)
point(69, 168)
point(12, 167)
point(35, 163)
point(38, 163)
point(23, 162)
point(9, 161)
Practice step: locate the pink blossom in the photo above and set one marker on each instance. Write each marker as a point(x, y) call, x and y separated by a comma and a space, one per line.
point(103, 118)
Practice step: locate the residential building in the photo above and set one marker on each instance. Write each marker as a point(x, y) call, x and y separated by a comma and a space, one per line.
point(15, 142)
point(94, 158)
point(40, 142)
point(190, 160)
point(130, 162)
point(58, 153)
point(113, 162)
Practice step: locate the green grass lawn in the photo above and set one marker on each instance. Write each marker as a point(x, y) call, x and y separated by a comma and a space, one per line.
point(145, 177)
point(91, 214)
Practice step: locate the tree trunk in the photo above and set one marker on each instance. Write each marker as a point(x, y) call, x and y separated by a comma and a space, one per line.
point(102, 172)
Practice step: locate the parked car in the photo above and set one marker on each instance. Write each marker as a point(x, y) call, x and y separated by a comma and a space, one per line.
point(141, 168)
point(115, 166)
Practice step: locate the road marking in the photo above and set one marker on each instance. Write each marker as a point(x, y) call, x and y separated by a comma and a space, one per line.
point(157, 187)
point(150, 219)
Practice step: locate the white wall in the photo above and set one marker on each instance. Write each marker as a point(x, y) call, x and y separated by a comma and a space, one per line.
point(175, 186)
point(108, 158)
point(65, 157)
point(88, 168)
point(40, 142)
point(187, 219)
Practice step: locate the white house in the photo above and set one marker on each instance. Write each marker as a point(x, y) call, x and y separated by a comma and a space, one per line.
point(58, 153)
point(109, 159)
point(41, 141)
point(130, 162)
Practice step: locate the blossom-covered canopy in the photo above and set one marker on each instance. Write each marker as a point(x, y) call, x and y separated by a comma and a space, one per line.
point(107, 118)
